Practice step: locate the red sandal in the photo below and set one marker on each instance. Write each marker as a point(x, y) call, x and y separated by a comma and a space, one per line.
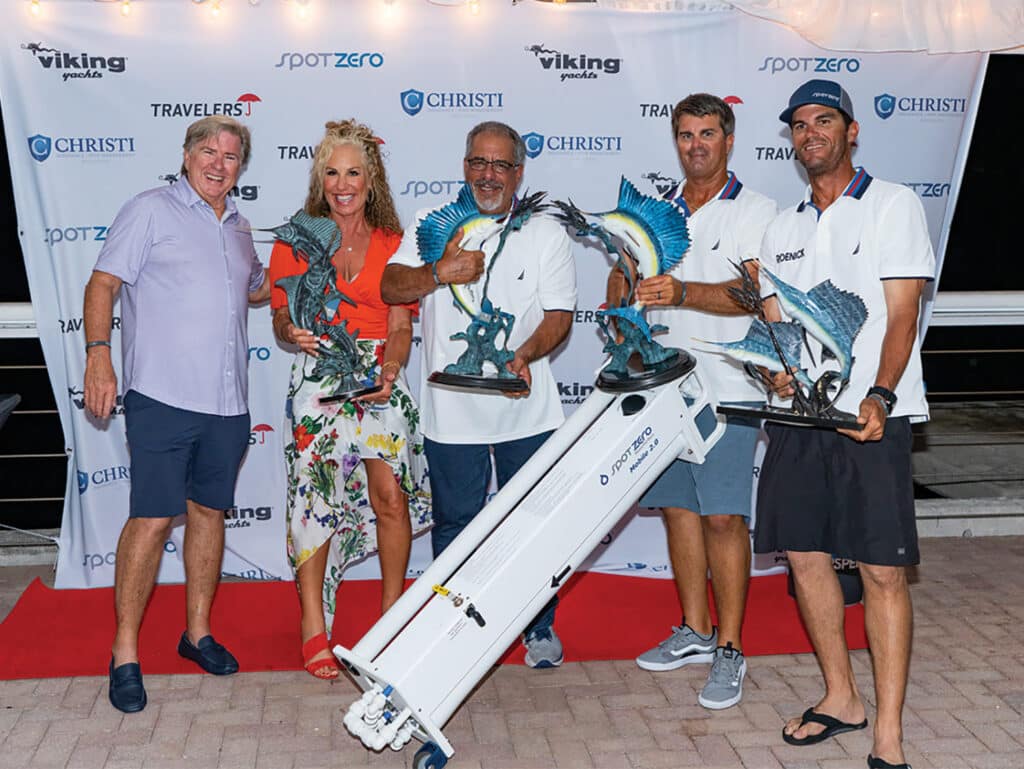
point(325, 669)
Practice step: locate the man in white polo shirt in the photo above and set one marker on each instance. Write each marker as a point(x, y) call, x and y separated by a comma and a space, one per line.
point(707, 507)
point(849, 493)
point(534, 280)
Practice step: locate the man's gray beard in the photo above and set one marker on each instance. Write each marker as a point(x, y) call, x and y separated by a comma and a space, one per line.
point(487, 205)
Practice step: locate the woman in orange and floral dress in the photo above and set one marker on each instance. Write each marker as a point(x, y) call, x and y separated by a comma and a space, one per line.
point(357, 475)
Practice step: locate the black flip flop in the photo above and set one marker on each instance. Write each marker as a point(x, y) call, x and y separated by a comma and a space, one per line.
point(878, 763)
point(833, 726)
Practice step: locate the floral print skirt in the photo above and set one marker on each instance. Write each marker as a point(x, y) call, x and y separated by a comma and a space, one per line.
point(327, 495)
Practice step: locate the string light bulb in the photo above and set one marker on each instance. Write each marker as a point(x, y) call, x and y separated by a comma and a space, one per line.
point(33, 8)
point(301, 9)
point(474, 7)
point(126, 8)
point(215, 9)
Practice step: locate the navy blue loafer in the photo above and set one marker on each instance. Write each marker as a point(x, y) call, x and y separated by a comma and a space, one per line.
point(126, 691)
point(209, 655)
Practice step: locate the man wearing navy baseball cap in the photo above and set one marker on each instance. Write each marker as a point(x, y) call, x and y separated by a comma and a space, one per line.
point(849, 493)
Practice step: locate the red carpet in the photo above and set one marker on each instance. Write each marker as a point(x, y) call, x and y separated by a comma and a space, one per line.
point(60, 633)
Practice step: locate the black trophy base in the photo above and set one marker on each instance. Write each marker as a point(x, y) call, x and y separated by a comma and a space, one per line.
point(679, 365)
point(348, 395)
point(837, 420)
point(479, 382)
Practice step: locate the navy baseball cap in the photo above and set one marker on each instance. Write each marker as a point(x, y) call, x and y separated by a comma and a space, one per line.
point(827, 93)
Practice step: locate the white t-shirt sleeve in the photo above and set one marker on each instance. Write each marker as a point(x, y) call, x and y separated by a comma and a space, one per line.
point(128, 241)
point(408, 254)
point(904, 248)
point(752, 226)
point(558, 284)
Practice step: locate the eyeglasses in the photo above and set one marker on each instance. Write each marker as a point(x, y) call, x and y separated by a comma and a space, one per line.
point(500, 167)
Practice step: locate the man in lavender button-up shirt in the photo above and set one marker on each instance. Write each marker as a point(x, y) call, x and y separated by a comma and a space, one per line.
point(181, 257)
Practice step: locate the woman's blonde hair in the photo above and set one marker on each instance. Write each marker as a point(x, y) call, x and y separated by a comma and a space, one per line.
point(380, 206)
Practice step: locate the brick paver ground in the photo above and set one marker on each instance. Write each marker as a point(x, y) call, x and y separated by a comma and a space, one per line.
point(964, 706)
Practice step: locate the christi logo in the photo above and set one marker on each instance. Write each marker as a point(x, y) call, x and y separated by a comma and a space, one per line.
point(885, 105)
point(83, 481)
point(534, 144)
point(412, 101)
point(40, 146)
point(74, 66)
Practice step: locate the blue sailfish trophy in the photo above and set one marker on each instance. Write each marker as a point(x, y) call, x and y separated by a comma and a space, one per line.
point(653, 236)
point(313, 301)
point(826, 313)
point(487, 323)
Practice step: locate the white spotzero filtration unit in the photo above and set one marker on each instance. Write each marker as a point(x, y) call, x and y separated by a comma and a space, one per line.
point(429, 651)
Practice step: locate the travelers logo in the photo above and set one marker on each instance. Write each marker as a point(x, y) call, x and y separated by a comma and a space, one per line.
point(576, 66)
point(412, 101)
point(885, 105)
point(74, 66)
point(239, 108)
point(258, 435)
point(732, 101)
point(78, 399)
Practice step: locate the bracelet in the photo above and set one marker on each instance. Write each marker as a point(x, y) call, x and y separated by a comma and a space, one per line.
point(884, 396)
point(97, 343)
point(682, 296)
point(433, 271)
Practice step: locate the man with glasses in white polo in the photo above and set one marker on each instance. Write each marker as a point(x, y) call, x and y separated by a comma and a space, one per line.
point(535, 281)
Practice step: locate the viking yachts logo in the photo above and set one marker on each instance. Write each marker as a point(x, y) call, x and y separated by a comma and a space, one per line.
point(661, 183)
point(414, 101)
point(575, 66)
point(565, 144)
point(74, 66)
point(239, 108)
point(573, 393)
point(776, 64)
point(887, 105)
point(334, 60)
point(41, 146)
point(244, 517)
point(78, 399)
point(248, 192)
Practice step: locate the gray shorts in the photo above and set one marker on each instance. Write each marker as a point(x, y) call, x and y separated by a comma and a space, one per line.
point(723, 485)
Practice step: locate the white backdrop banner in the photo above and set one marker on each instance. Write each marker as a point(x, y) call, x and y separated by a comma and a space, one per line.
point(95, 108)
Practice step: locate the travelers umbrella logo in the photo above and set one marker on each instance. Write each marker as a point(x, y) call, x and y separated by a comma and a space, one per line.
point(732, 101)
point(248, 99)
point(258, 436)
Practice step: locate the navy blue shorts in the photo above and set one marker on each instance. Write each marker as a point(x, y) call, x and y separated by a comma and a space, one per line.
point(177, 455)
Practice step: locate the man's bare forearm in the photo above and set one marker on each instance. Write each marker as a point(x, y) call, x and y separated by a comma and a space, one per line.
point(551, 332)
point(401, 284)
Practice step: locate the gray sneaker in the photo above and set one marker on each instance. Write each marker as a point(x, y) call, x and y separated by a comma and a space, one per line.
point(543, 649)
point(725, 681)
point(684, 647)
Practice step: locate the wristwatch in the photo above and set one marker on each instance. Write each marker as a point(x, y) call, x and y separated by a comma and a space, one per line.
point(885, 396)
